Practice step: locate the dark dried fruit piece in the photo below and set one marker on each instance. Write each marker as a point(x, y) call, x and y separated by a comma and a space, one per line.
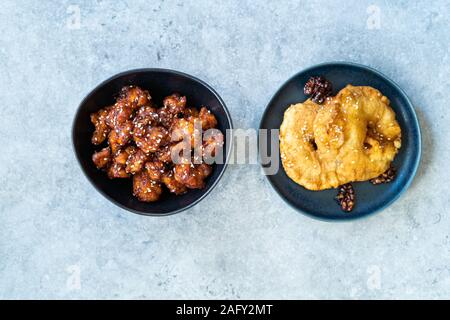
point(385, 177)
point(318, 88)
point(346, 197)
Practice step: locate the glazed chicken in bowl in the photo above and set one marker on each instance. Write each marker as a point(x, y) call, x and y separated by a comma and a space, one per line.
point(152, 141)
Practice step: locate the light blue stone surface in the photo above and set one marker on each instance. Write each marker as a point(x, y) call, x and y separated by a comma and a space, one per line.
point(59, 238)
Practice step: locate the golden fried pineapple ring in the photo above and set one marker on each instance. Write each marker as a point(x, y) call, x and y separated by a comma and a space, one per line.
point(351, 137)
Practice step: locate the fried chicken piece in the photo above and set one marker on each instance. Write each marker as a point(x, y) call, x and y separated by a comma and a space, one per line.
point(131, 158)
point(146, 115)
point(165, 117)
point(102, 158)
point(120, 136)
point(192, 175)
point(150, 139)
point(119, 113)
point(175, 103)
point(136, 160)
point(182, 129)
point(208, 119)
point(134, 96)
point(124, 132)
point(190, 112)
point(121, 156)
point(164, 154)
point(172, 184)
point(99, 120)
point(173, 106)
point(117, 170)
point(146, 189)
point(189, 130)
point(118, 164)
point(155, 169)
point(130, 99)
point(112, 141)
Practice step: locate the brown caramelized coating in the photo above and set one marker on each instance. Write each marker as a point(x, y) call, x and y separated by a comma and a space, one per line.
point(119, 113)
point(146, 189)
point(136, 160)
point(192, 175)
point(121, 156)
point(175, 103)
point(102, 158)
point(172, 184)
point(150, 139)
point(164, 154)
point(207, 118)
point(181, 128)
point(124, 132)
point(173, 106)
point(117, 170)
point(119, 137)
point(130, 99)
point(112, 141)
point(146, 115)
point(142, 139)
point(190, 112)
point(117, 166)
point(99, 120)
point(155, 169)
point(134, 96)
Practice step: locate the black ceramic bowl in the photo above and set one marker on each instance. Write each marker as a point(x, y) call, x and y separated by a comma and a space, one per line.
point(160, 83)
point(369, 198)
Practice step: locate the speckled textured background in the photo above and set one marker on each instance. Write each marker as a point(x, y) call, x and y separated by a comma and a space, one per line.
point(59, 238)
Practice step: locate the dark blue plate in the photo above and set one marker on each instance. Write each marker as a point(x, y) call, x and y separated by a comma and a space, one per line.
point(369, 198)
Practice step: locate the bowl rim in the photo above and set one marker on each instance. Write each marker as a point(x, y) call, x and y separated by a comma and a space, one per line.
point(144, 70)
point(414, 123)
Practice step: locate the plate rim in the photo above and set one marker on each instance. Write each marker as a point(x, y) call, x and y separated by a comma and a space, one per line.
point(416, 123)
point(140, 70)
